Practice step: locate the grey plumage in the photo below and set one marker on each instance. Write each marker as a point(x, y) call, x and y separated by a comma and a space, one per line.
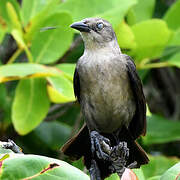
point(110, 93)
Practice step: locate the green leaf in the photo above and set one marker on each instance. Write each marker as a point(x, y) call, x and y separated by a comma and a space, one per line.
point(4, 12)
point(53, 134)
point(3, 151)
point(161, 130)
point(113, 10)
point(151, 37)
point(154, 178)
point(13, 17)
point(175, 39)
point(125, 36)
point(172, 174)
point(139, 173)
point(175, 60)
point(36, 22)
point(2, 32)
point(60, 90)
point(172, 52)
point(18, 36)
point(118, 11)
point(48, 46)
point(38, 167)
point(172, 16)
point(30, 106)
point(142, 11)
point(113, 177)
point(67, 69)
point(156, 167)
point(26, 70)
point(31, 8)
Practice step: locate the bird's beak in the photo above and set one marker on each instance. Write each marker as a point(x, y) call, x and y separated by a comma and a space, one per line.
point(80, 26)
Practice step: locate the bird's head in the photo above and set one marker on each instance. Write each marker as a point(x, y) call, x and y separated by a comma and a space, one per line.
point(96, 32)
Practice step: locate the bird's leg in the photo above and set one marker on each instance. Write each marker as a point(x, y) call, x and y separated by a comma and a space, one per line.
point(94, 171)
point(98, 145)
point(119, 155)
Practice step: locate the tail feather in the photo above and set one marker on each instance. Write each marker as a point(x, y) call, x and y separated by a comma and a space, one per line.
point(80, 145)
point(136, 152)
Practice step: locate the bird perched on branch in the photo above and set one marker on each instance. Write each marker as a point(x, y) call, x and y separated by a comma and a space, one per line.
point(112, 101)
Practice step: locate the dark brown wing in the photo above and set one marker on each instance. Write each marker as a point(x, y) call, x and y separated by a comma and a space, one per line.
point(138, 124)
point(78, 145)
point(76, 84)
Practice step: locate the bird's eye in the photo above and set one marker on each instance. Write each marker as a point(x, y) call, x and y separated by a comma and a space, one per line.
point(99, 26)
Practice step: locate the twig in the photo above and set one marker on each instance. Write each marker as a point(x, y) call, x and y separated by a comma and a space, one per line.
point(11, 145)
point(58, 114)
point(154, 65)
point(76, 125)
point(15, 55)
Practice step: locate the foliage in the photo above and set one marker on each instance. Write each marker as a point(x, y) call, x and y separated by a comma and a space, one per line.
point(37, 167)
point(35, 80)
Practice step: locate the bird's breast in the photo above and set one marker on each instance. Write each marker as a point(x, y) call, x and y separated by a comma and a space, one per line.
point(106, 98)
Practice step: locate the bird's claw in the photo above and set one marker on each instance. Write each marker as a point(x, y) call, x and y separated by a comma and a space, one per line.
point(100, 145)
point(121, 150)
point(94, 171)
point(119, 156)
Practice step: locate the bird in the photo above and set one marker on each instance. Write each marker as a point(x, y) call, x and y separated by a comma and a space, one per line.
point(110, 94)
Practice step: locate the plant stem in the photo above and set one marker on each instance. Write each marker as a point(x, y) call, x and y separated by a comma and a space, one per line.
point(15, 55)
point(154, 65)
point(29, 55)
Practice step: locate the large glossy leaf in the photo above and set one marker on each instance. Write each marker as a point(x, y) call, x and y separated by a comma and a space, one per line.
point(53, 134)
point(13, 17)
point(30, 106)
point(175, 41)
point(155, 168)
point(25, 70)
point(38, 167)
point(143, 10)
point(48, 46)
point(67, 69)
point(113, 10)
point(172, 52)
point(2, 33)
point(35, 24)
point(161, 130)
point(60, 90)
point(172, 16)
point(4, 12)
point(31, 8)
point(172, 174)
point(154, 178)
point(151, 37)
point(175, 60)
point(125, 36)
point(113, 177)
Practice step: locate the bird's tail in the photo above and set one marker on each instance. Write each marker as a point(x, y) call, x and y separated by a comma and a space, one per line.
point(80, 145)
point(136, 152)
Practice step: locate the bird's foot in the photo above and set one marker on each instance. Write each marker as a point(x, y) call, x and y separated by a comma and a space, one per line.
point(121, 150)
point(94, 171)
point(100, 145)
point(119, 156)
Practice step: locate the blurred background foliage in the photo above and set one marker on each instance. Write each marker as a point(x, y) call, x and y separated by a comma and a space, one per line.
point(37, 108)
